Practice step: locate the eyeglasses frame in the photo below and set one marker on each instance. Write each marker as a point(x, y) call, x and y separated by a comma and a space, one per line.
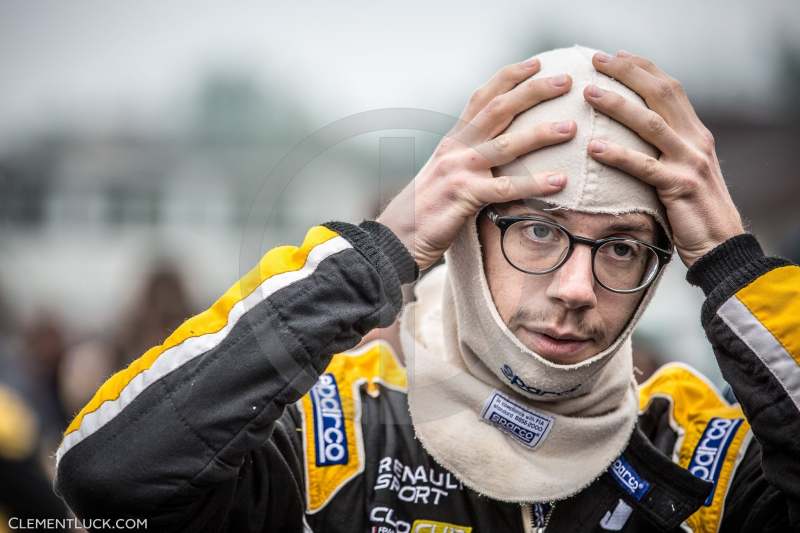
point(503, 222)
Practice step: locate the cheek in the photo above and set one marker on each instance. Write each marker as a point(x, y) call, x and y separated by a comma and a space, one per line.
point(493, 268)
point(616, 310)
point(510, 288)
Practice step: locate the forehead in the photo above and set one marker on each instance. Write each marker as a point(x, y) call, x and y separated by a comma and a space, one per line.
point(585, 222)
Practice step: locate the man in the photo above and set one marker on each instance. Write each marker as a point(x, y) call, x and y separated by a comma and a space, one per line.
point(522, 410)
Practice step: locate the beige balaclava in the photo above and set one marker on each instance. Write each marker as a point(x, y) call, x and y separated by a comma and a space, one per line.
point(507, 422)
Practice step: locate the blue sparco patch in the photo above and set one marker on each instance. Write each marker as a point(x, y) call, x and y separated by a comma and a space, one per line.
point(517, 381)
point(710, 452)
point(629, 479)
point(525, 425)
point(329, 431)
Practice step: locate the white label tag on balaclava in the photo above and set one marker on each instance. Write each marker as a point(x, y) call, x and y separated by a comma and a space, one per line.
point(525, 425)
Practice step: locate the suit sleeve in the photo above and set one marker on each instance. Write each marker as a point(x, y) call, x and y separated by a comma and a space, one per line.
point(163, 438)
point(752, 318)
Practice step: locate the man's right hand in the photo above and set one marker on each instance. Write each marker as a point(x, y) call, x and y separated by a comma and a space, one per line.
point(457, 180)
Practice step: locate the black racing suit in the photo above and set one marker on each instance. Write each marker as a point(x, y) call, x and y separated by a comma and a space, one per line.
point(258, 415)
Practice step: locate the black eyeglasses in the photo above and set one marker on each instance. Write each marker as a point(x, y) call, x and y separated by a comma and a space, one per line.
point(536, 245)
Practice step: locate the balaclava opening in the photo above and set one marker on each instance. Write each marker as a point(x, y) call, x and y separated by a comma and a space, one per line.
point(507, 422)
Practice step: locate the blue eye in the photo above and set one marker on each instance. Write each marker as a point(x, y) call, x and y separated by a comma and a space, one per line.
point(541, 231)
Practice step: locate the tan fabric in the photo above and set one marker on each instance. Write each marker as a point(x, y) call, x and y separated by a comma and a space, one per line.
point(591, 186)
point(506, 421)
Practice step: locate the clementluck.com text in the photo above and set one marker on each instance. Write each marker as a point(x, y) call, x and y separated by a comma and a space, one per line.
point(35, 524)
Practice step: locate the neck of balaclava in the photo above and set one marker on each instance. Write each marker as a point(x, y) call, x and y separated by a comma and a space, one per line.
point(493, 355)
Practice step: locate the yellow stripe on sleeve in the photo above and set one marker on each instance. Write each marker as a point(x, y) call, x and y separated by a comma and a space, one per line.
point(774, 299)
point(279, 260)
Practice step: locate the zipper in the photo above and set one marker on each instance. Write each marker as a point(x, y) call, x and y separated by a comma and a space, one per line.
point(536, 516)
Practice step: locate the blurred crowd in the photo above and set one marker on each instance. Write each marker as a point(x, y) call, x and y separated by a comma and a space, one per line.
point(48, 373)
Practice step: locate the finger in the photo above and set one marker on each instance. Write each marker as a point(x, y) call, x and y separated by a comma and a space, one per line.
point(664, 95)
point(648, 169)
point(647, 123)
point(502, 109)
point(644, 63)
point(503, 81)
point(509, 188)
point(677, 88)
point(508, 146)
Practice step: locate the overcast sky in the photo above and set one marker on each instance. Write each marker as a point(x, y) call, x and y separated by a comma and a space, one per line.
point(95, 62)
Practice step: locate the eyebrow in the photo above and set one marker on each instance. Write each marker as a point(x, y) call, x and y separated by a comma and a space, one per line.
point(631, 227)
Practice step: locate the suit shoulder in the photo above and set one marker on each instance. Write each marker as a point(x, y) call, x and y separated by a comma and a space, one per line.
point(710, 434)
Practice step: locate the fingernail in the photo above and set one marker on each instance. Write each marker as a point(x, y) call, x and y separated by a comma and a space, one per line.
point(595, 91)
point(531, 63)
point(556, 179)
point(563, 127)
point(602, 57)
point(559, 81)
point(597, 146)
point(624, 53)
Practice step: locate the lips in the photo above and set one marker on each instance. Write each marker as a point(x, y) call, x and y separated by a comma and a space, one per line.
point(556, 345)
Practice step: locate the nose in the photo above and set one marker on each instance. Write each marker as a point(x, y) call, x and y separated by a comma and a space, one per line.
point(573, 284)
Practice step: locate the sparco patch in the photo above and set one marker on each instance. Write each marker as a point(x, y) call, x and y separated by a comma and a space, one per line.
point(329, 432)
point(525, 425)
point(710, 452)
point(628, 478)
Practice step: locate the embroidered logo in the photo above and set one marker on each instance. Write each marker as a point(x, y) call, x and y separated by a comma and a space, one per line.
point(525, 425)
point(515, 380)
point(710, 452)
point(628, 478)
point(329, 432)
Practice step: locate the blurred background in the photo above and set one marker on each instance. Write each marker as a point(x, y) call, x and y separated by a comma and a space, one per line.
point(137, 143)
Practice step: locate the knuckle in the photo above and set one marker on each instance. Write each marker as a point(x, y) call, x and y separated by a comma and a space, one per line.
point(534, 85)
point(496, 106)
point(614, 102)
point(503, 186)
point(501, 143)
point(446, 165)
point(543, 132)
point(677, 87)
point(649, 167)
point(626, 66)
point(687, 186)
point(509, 72)
point(700, 165)
point(456, 183)
point(656, 124)
point(646, 63)
point(665, 90)
point(478, 97)
point(707, 140)
point(679, 187)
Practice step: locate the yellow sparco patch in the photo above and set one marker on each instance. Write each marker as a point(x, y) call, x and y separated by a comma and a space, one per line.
point(430, 526)
point(333, 440)
point(712, 434)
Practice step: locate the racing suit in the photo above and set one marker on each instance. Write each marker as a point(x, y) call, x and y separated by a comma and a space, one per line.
point(258, 415)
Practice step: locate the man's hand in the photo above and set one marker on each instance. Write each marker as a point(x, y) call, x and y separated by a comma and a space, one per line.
point(687, 175)
point(457, 181)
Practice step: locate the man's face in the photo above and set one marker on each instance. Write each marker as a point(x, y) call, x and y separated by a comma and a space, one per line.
point(564, 316)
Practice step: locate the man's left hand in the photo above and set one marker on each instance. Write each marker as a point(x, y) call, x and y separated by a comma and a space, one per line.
point(687, 175)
